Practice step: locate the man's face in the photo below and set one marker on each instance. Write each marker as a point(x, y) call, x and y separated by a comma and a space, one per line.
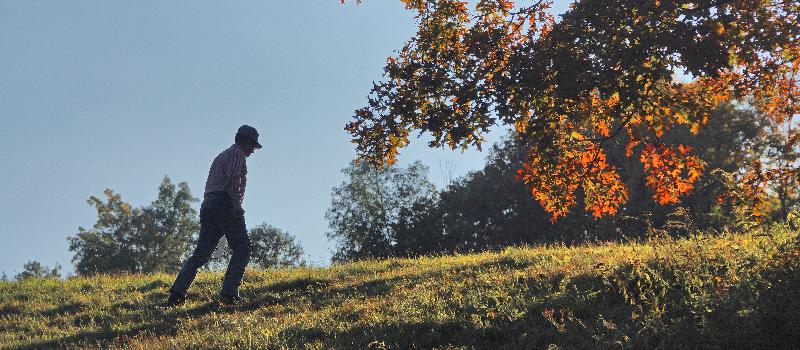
point(248, 149)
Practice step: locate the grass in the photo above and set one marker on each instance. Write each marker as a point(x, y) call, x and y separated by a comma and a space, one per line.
point(726, 292)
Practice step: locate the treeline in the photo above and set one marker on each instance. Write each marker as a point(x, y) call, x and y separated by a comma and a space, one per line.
point(34, 269)
point(396, 211)
point(157, 237)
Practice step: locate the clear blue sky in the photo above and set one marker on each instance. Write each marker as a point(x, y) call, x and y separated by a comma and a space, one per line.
point(107, 94)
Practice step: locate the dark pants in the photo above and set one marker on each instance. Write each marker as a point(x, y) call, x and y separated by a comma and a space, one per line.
point(217, 218)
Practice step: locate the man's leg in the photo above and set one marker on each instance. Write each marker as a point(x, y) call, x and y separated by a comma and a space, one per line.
point(206, 244)
point(238, 240)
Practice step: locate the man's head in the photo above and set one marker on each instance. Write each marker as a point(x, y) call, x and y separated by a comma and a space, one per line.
point(247, 139)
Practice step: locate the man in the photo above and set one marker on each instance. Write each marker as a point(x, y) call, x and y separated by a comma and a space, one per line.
point(221, 214)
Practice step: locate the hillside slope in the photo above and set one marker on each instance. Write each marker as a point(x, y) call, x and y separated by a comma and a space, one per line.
point(733, 291)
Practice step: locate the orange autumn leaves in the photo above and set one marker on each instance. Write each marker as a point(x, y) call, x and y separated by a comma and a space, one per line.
point(577, 160)
point(670, 171)
point(558, 181)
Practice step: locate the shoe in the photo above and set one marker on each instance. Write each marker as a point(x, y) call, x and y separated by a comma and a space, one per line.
point(175, 299)
point(230, 299)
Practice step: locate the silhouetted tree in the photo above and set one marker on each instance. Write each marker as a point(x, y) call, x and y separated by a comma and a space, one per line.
point(367, 207)
point(35, 269)
point(272, 247)
point(147, 239)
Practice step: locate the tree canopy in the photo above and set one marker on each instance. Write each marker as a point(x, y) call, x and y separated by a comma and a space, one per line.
point(147, 239)
point(488, 210)
point(368, 206)
point(606, 70)
point(157, 237)
point(35, 269)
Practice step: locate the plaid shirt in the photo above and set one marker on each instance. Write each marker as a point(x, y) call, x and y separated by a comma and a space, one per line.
point(228, 174)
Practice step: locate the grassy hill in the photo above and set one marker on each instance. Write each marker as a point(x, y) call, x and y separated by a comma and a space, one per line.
point(730, 291)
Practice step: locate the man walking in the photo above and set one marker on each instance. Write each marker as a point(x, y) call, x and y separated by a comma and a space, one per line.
point(221, 214)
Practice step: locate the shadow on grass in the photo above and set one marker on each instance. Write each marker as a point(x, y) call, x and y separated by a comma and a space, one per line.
point(322, 292)
point(68, 308)
point(165, 322)
point(515, 334)
point(584, 311)
point(588, 313)
point(298, 284)
point(166, 325)
point(319, 292)
point(157, 284)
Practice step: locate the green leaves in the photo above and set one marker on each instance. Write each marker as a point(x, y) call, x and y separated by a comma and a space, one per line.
point(367, 208)
point(146, 239)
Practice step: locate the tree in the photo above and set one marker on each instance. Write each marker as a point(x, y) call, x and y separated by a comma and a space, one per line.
point(35, 269)
point(735, 136)
point(272, 247)
point(783, 152)
point(768, 190)
point(572, 88)
point(419, 229)
point(367, 207)
point(488, 209)
point(147, 239)
point(166, 228)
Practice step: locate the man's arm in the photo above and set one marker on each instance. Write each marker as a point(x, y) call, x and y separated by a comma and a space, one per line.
point(238, 182)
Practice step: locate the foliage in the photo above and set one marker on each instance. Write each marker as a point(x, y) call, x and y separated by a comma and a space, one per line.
point(735, 291)
point(783, 156)
point(157, 237)
point(573, 87)
point(271, 247)
point(488, 210)
point(768, 189)
point(366, 208)
point(483, 210)
point(735, 136)
point(35, 269)
point(147, 239)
